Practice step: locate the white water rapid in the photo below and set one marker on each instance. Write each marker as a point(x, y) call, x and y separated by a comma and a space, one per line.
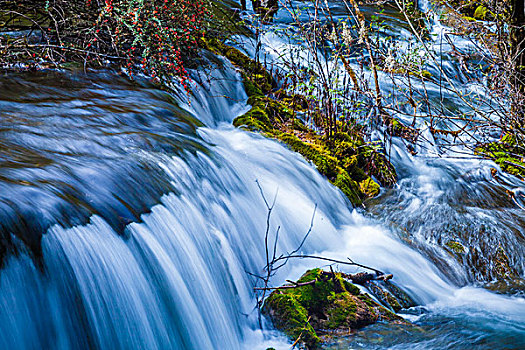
point(178, 278)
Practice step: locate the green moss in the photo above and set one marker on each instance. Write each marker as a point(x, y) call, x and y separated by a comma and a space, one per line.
point(456, 247)
point(310, 275)
point(325, 163)
point(351, 166)
point(289, 316)
point(367, 300)
point(297, 124)
point(255, 119)
point(381, 168)
point(265, 115)
point(481, 12)
point(508, 153)
point(250, 88)
point(384, 295)
point(344, 149)
point(400, 295)
point(392, 301)
point(332, 304)
point(349, 187)
point(276, 110)
point(342, 310)
point(296, 102)
point(369, 187)
point(227, 22)
point(351, 288)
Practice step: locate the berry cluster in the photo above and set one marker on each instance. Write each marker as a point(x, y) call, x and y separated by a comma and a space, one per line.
point(156, 36)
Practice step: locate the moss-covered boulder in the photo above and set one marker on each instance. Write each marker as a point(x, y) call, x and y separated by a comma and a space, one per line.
point(508, 279)
point(508, 153)
point(323, 304)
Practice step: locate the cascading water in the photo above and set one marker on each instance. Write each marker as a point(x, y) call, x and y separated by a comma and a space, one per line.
point(150, 223)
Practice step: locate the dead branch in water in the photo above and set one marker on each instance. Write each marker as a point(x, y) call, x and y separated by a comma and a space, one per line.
point(274, 261)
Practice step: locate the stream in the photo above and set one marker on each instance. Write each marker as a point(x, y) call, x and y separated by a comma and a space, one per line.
point(131, 219)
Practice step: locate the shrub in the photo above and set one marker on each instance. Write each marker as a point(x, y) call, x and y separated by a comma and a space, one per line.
point(155, 37)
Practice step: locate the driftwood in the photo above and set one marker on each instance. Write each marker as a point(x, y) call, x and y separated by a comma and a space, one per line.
point(364, 277)
point(360, 278)
point(288, 286)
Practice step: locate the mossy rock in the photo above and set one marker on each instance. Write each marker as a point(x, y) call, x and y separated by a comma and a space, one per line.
point(289, 316)
point(398, 129)
point(507, 279)
point(266, 114)
point(508, 153)
point(255, 119)
point(503, 267)
point(512, 286)
point(276, 110)
point(375, 163)
point(345, 159)
point(481, 12)
point(390, 295)
point(349, 187)
point(331, 305)
point(325, 163)
point(456, 247)
point(369, 187)
point(297, 124)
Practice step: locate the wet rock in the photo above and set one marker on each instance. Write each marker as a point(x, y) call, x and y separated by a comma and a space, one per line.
point(390, 295)
point(328, 306)
point(508, 153)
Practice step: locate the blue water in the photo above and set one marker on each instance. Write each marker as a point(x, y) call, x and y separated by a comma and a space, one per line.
point(133, 223)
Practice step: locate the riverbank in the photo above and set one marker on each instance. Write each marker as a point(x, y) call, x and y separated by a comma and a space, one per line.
point(350, 163)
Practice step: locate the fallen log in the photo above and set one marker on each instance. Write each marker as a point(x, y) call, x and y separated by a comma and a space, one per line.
point(364, 277)
point(287, 286)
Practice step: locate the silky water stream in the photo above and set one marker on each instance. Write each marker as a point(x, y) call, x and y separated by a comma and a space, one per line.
point(131, 223)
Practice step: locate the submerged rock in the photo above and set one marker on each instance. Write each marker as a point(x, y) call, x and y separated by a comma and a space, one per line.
point(324, 304)
point(390, 295)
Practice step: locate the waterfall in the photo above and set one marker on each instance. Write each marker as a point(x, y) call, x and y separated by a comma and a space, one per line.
point(178, 278)
point(178, 275)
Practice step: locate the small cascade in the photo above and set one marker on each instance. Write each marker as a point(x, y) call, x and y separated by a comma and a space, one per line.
point(172, 271)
